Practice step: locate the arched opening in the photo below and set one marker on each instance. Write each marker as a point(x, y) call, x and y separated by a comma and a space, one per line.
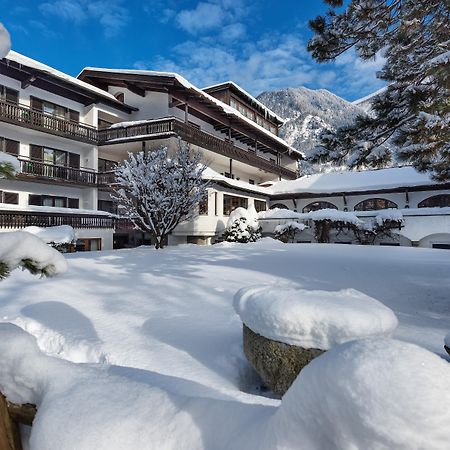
point(374, 204)
point(279, 206)
point(315, 206)
point(437, 201)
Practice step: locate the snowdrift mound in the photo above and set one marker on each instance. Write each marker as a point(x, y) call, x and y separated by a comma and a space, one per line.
point(312, 319)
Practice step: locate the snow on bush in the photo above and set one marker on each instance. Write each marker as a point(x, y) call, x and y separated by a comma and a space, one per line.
point(5, 41)
point(447, 339)
point(278, 213)
point(243, 226)
point(286, 232)
point(312, 319)
point(389, 215)
point(61, 234)
point(368, 394)
point(21, 249)
point(333, 215)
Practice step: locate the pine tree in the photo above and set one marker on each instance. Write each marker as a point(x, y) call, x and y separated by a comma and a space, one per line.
point(413, 112)
point(157, 191)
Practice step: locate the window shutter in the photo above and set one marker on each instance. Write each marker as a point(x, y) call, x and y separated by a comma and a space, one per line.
point(35, 200)
point(73, 203)
point(74, 160)
point(11, 198)
point(12, 147)
point(74, 116)
point(36, 152)
point(36, 103)
point(11, 96)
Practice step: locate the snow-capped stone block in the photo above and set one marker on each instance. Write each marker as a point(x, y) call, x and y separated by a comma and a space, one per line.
point(369, 394)
point(312, 319)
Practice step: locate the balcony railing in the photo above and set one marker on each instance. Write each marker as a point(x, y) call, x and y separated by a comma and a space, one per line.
point(22, 219)
point(154, 127)
point(38, 120)
point(106, 178)
point(41, 169)
point(190, 133)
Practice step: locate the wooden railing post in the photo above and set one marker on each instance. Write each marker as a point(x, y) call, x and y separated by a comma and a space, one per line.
point(11, 415)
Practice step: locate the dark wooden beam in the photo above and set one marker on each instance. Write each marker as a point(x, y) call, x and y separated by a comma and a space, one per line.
point(135, 89)
point(28, 81)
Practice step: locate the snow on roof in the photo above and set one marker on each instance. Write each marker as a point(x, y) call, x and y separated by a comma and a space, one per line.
point(350, 181)
point(26, 61)
point(368, 97)
point(246, 94)
point(211, 174)
point(185, 83)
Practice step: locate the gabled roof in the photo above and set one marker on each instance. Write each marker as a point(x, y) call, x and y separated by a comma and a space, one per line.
point(244, 94)
point(32, 72)
point(140, 80)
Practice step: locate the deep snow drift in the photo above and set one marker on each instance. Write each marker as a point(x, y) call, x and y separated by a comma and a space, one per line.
point(163, 322)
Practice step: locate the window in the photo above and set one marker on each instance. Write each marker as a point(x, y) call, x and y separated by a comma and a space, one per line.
point(230, 203)
point(260, 205)
point(437, 201)
point(374, 204)
point(102, 124)
point(105, 165)
point(279, 206)
point(54, 156)
point(107, 205)
point(89, 244)
point(54, 109)
point(315, 206)
point(251, 181)
point(9, 146)
point(53, 201)
point(9, 95)
point(203, 206)
point(11, 198)
point(120, 96)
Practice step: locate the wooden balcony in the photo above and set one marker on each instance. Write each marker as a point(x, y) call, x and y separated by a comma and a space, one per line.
point(22, 219)
point(171, 126)
point(106, 178)
point(59, 174)
point(38, 120)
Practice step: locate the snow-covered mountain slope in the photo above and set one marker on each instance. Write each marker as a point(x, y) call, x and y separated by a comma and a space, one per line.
point(365, 103)
point(309, 112)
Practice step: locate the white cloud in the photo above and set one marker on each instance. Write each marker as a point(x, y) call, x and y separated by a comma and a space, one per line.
point(110, 14)
point(270, 63)
point(204, 17)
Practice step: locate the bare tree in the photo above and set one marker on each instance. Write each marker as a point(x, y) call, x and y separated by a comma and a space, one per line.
point(157, 191)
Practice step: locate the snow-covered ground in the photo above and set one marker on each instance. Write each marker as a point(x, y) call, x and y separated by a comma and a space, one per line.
point(165, 319)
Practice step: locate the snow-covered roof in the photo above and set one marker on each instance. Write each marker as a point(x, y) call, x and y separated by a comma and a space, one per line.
point(350, 181)
point(227, 109)
point(245, 94)
point(212, 175)
point(26, 61)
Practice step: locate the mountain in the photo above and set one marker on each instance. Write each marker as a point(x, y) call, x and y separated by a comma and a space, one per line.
point(365, 103)
point(307, 113)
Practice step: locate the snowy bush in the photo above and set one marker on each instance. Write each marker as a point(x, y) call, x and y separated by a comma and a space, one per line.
point(243, 226)
point(288, 231)
point(60, 237)
point(21, 249)
point(157, 191)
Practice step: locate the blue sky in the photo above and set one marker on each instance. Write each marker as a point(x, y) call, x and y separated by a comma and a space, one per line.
point(261, 45)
